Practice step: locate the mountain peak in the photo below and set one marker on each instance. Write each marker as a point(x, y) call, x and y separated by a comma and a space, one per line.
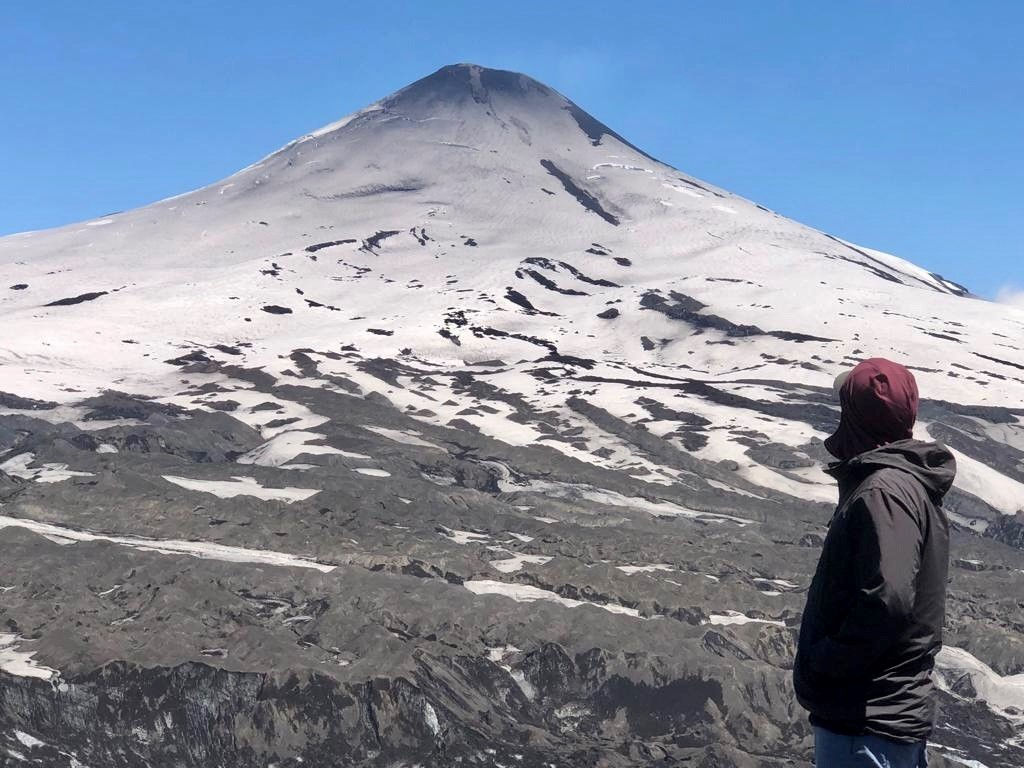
point(498, 91)
point(458, 83)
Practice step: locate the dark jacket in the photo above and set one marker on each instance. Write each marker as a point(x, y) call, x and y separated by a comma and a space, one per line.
point(875, 608)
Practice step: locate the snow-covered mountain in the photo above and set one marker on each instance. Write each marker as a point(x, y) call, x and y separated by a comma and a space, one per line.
point(431, 392)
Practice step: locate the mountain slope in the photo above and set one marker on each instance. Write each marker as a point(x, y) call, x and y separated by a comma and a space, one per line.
point(464, 345)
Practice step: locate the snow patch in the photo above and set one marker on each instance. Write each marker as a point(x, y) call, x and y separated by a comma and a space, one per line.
point(430, 718)
point(735, 617)
point(465, 537)
point(47, 473)
point(524, 593)
point(999, 491)
point(337, 125)
point(202, 549)
point(999, 692)
point(20, 663)
point(285, 446)
point(518, 562)
point(408, 437)
point(629, 570)
point(612, 498)
point(500, 652)
point(28, 740)
point(682, 190)
point(242, 486)
point(372, 472)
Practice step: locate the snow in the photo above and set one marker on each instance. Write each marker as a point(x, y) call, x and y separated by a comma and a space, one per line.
point(18, 466)
point(730, 618)
point(518, 562)
point(242, 486)
point(354, 455)
point(465, 537)
point(500, 652)
point(630, 570)
point(1008, 434)
point(201, 549)
point(430, 718)
point(974, 524)
point(623, 167)
point(999, 692)
point(523, 593)
point(20, 663)
point(372, 472)
point(285, 446)
point(999, 491)
point(769, 478)
point(777, 582)
point(298, 416)
point(339, 124)
point(407, 437)
point(901, 266)
point(683, 190)
point(615, 499)
point(963, 760)
point(28, 740)
point(528, 689)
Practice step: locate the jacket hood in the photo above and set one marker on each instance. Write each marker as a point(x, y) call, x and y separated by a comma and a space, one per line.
point(879, 400)
point(932, 464)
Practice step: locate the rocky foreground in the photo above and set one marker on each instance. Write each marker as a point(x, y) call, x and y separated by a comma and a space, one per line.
point(445, 598)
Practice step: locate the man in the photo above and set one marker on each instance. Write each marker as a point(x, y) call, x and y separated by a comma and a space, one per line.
point(873, 621)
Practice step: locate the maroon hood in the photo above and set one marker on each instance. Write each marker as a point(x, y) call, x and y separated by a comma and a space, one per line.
point(879, 399)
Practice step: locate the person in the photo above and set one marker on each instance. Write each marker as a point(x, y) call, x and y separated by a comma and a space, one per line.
point(875, 608)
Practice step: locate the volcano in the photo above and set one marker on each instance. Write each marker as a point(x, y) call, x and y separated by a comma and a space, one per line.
point(462, 431)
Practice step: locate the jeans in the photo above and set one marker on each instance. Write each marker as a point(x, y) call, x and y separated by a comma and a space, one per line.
point(833, 750)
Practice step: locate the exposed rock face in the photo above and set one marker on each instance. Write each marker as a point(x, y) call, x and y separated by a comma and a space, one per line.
point(531, 474)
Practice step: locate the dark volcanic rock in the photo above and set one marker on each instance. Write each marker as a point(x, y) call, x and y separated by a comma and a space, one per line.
point(81, 298)
point(778, 456)
point(15, 402)
point(112, 406)
point(1008, 529)
point(585, 198)
point(9, 486)
point(690, 310)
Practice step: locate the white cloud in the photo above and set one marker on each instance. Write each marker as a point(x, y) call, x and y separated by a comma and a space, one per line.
point(1011, 294)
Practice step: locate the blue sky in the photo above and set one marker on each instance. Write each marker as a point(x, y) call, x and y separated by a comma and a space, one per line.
point(896, 125)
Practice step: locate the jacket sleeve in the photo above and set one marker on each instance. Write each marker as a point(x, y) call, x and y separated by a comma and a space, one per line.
point(883, 551)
